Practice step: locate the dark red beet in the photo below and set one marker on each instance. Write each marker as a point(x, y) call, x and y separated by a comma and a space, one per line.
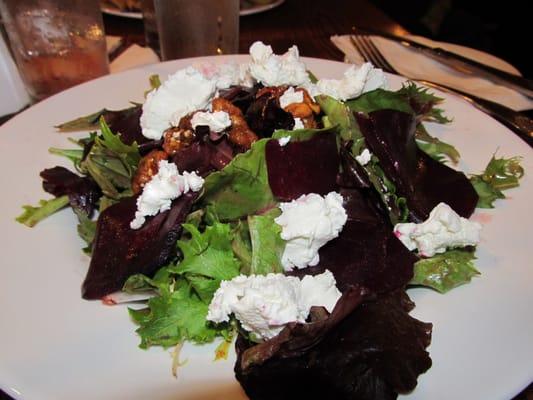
point(119, 251)
point(309, 166)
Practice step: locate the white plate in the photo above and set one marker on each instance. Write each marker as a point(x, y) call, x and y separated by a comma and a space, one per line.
point(54, 345)
point(247, 9)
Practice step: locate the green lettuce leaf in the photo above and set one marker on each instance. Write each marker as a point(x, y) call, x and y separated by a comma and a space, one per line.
point(338, 113)
point(185, 289)
point(500, 174)
point(170, 319)
point(32, 215)
point(445, 271)
point(300, 135)
point(241, 188)
point(434, 147)
point(267, 244)
point(207, 259)
point(111, 163)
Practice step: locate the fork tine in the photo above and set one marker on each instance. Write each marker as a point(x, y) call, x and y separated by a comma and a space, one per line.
point(362, 51)
point(381, 61)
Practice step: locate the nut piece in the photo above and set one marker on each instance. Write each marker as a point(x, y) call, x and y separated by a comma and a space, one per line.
point(148, 167)
point(240, 133)
point(304, 110)
point(176, 138)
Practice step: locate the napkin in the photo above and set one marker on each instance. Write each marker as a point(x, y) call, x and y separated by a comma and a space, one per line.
point(414, 65)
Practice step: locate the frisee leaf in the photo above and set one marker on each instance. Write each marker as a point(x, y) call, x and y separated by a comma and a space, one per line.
point(32, 215)
point(423, 103)
point(445, 271)
point(185, 289)
point(434, 147)
point(500, 174)
point(207, 259)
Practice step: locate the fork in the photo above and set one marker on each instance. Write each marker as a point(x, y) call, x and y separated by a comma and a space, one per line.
point(518, 123)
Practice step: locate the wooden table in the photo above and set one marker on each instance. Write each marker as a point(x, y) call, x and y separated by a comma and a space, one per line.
point(305, 23)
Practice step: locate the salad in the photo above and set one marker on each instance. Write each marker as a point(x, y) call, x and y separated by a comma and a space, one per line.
point(260, 203)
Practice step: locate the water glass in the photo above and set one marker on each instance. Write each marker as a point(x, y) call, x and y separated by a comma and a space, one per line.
point(189, 28)
point(56, 43)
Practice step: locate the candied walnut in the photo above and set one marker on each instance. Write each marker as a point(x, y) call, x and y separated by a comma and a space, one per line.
point(239, 133)
point(148, 167)
point(177, 138)
point(305, 109)
point(271, 91)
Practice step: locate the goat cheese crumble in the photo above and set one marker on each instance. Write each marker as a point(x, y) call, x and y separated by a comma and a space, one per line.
point(290, 96)
point(165, 186)
point(443, 229)
point(185, 91)
point(273, 70)
point(216, 121)
point(307, 224)
point(364, 158)
point(264, 304)
point(355, 82)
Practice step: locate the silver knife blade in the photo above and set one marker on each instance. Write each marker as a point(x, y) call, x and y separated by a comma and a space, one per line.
point(460, 63)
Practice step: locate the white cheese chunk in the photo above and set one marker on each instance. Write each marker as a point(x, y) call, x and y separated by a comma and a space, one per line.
point(216, 121)
point(264, 304)
point(284, 140)
point(364, 158)
point(308, 223)
point(165, 186)
point(443, 229)
point(298, 124)
point(185, 91)
point(274, 70)
point(289, 96)
point(355, 82)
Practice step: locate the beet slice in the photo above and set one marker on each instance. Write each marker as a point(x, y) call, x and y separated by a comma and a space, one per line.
point(423, 181)
point(298, 168)
point(119, 251)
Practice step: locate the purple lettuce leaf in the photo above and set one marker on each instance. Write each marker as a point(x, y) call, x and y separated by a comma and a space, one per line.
point(295, 169)
point(424, 182)
point(120, 252)
point(204, 155)
point(374, 353)
point(83, 192)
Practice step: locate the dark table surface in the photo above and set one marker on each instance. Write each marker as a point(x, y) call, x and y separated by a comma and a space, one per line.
point(306, 23)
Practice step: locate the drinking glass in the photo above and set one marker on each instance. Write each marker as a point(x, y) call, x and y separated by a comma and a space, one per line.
point(189, 28)
point(150, 26)
point(56, 43)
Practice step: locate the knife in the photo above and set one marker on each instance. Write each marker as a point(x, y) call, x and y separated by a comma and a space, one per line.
point(460, 63)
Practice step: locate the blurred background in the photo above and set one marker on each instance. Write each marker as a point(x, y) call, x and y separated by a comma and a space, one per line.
point(496, 28)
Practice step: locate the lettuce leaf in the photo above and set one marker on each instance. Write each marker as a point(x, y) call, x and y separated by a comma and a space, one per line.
point(500, 174)
point(267, 244)
point(184, 290)
point(207, 259)
point(32, 215)
point(445, 271)
point(241, 188)
point(111, 163)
